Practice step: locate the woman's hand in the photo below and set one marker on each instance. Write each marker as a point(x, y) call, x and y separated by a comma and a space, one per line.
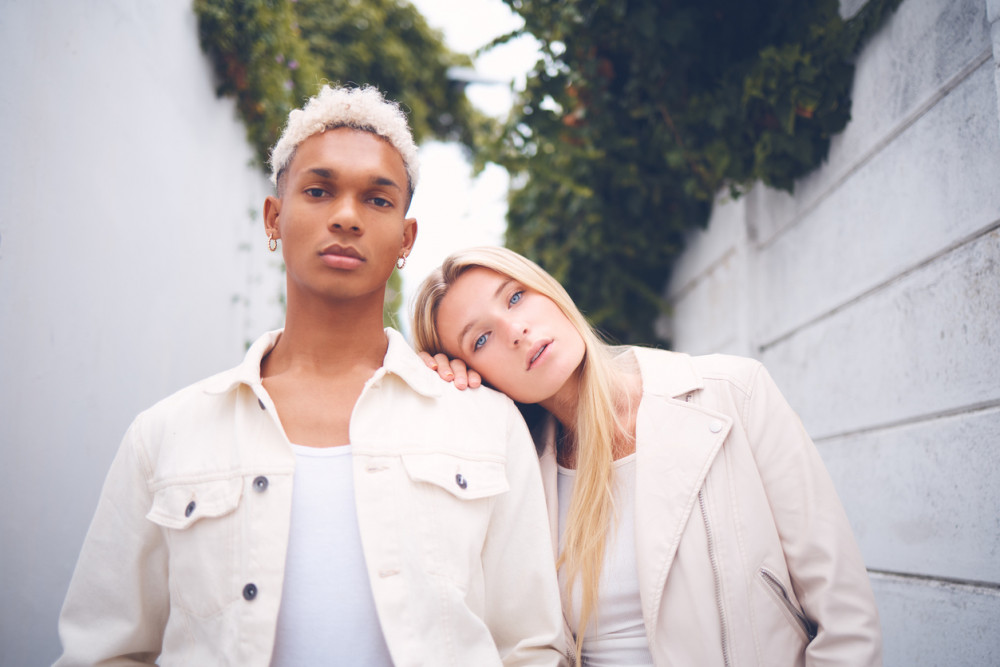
point(452, 370)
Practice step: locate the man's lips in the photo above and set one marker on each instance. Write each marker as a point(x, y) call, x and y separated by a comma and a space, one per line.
point(342, 251)
point(341, 257)
point(536, 351)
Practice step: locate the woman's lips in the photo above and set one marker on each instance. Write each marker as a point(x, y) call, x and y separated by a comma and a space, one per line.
point(537, 352)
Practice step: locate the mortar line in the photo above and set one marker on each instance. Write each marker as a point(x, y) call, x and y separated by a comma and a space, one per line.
point(973, 409)
point(927, 578)
point(885, 284)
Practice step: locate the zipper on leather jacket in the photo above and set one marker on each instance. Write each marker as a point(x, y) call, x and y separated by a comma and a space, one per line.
point(718, 581)
point(772, 581)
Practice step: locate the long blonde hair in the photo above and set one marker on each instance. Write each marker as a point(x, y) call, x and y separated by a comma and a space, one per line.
point(598, 426)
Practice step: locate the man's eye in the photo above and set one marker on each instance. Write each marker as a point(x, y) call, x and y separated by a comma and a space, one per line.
point(381, 203)
point(515, 297)
point(480, 341)
point(315, 192)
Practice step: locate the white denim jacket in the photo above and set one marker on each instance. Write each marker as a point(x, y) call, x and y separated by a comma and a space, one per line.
point(184, 560)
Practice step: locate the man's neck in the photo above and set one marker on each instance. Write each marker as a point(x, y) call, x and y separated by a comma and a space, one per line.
point(327, 340)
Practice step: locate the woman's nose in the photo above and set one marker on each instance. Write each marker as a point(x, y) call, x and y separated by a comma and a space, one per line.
point(518, 331)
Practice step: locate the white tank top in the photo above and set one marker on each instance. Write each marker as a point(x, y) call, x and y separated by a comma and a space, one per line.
point(327, 614)
point(616, 636)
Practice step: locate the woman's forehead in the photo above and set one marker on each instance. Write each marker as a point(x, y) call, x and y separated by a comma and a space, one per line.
point(467, 301)
point(477, 282)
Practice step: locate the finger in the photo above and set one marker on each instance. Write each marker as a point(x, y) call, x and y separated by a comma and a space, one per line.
point(475, 379)
point(461, 376)
point(444, 368)
point(428, 359)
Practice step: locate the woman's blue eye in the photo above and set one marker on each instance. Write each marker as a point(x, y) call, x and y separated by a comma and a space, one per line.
point(480, 342)
point(515, 297)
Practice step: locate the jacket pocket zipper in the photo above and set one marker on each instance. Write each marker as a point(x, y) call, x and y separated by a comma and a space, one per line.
point(808, 627)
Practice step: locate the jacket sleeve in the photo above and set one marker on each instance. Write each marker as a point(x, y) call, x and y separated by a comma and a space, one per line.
point(827, 572)
point(522, 593)
point(118, 602)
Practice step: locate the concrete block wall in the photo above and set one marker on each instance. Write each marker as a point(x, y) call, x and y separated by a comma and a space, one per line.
point(131, 264)
point(873, 295)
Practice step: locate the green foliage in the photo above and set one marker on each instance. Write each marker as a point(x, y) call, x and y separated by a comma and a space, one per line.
point(388, 43)
point(393, 301)
point(271, 55)
point(261, 59)
point(639, 112)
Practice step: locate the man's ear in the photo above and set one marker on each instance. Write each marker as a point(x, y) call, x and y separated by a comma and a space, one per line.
point(272, 206)
point(409, 234)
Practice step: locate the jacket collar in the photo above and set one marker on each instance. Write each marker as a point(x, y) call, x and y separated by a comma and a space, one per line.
point(400, 360)
point(666, 374)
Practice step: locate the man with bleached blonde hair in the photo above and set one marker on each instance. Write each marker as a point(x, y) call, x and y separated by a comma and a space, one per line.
point(329, 501)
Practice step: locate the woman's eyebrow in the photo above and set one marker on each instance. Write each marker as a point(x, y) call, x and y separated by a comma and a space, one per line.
point(503, 286)
point(462, 333)
point(496, 294)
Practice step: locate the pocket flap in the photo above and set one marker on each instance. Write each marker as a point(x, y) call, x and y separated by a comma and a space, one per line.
point(180, 505)
point(461, 477)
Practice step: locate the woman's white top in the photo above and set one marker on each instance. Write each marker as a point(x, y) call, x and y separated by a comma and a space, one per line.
point(615, 636)
point(327, 614)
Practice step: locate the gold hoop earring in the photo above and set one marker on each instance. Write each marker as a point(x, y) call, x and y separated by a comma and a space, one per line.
point(272, 243)
point(401, 262)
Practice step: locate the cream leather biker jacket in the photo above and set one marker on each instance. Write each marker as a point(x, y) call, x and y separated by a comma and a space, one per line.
point(744, 554)
point(184, 560)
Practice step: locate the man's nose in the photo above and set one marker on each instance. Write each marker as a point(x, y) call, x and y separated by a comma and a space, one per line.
point(345, 216)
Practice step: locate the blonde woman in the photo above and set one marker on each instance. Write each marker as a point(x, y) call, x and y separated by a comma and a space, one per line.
point(693, 519)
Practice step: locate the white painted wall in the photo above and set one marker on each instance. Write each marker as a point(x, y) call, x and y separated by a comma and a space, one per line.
point(873, 295)
point(131, 264)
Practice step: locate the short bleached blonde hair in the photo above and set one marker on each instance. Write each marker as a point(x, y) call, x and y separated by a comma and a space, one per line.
point(362, 108)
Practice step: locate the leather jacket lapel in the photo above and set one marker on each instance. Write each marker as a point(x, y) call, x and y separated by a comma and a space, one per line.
point(676, 444)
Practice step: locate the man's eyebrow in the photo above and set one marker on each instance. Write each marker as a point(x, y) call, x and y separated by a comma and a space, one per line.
point(497, 293)
point(323, 173)
point(385, 182)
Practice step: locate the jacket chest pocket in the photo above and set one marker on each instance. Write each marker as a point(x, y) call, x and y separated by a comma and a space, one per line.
point(200, 522)
point(449, 510)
